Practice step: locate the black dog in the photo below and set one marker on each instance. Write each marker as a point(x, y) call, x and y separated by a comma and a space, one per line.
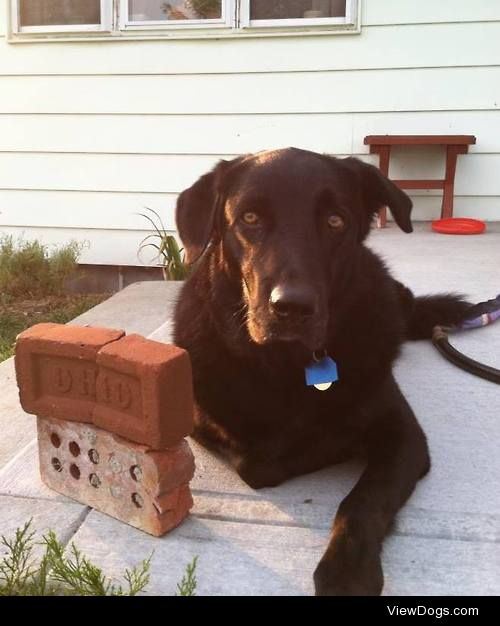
point(282, 278)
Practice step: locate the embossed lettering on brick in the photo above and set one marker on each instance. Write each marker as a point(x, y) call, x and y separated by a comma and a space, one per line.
point(144, 391)
point(56, 369)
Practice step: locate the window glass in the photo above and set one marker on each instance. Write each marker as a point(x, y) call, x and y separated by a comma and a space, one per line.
point(59, 12)
point(294, 9)
point(157, 10)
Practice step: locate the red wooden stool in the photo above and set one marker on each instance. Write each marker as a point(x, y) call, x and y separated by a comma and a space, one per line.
point(454, 144)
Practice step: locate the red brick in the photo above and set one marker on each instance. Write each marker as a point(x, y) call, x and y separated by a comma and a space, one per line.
point(146, 489)
point(169, 468)
point(144, 391)
point(180, 502)
point(56, 369)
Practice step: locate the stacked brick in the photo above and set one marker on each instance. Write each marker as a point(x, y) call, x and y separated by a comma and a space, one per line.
point(112, 414)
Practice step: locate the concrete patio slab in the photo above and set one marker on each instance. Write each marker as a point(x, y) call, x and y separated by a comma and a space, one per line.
point(20, 477)
point(63, 518)
point(140, 308)
point(17, 427)
point(267, 542)
point(245, 558)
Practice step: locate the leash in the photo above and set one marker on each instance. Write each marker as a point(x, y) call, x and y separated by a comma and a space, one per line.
point(479, 315)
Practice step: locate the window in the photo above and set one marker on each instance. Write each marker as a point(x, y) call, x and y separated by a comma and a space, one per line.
point(44, 16)
point(174, 13)
point(297, 13)
point(193, 17)
point(296, 9)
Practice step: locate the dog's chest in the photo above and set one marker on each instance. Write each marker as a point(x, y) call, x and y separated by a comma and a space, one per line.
point(241, 398)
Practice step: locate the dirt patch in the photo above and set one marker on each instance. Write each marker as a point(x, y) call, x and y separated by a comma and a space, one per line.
point(18, 314)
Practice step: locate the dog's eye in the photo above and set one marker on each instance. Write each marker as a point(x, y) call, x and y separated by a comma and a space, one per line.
point(335, 222)
point(250, 217)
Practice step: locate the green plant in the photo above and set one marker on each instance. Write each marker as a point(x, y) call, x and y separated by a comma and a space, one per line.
point(58, 573)
point(187, 586)
point(17, 574)
point(28, 269)
point(80, 577)
point(168, 254)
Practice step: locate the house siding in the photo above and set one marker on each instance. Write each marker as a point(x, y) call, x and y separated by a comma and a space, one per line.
point(93, 132)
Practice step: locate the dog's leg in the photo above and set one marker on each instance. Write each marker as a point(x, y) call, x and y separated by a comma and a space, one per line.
point(270, 465)
point(397, 458)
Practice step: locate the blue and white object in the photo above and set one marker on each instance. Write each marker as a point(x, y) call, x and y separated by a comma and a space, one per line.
point(321, 374)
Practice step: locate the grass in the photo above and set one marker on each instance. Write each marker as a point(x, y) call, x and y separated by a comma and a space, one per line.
point(61, 572)
point(16, 314)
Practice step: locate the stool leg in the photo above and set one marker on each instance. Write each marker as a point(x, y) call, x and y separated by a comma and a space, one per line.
point(449, 181)
point(384, 157)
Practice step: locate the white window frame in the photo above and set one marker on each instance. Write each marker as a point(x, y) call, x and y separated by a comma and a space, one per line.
point(105, 25)
point(350, 19)
point(234, 23)
point(225, 21)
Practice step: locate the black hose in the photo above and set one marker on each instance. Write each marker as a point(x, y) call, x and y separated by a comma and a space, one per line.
point(440, 340)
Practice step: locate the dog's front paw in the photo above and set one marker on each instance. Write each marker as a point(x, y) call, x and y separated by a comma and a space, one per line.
point(338, 577)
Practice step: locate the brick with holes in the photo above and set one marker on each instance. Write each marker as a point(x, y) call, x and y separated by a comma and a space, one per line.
point(56, 369)
point(144, 391)
point(141, 487)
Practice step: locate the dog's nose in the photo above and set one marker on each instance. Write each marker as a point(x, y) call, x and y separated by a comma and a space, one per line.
point(288, 301)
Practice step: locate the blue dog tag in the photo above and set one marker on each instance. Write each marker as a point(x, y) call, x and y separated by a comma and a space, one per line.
point(321, 374)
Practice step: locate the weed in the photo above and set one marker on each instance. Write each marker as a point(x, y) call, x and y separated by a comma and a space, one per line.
point(28, 269)
point(168, 254)
point(68, 572)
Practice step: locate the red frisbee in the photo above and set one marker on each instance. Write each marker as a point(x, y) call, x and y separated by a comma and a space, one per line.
point(459, 226)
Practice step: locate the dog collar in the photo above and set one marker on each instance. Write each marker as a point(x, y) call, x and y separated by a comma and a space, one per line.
point(322, 372)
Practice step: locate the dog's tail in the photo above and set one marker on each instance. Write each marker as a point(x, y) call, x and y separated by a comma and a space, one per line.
point(422, 313)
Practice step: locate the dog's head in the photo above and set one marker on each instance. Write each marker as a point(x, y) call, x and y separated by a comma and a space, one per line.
point(288, 225)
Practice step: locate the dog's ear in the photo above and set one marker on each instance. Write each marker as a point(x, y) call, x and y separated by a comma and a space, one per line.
point(378, 191)
point(196, 211)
